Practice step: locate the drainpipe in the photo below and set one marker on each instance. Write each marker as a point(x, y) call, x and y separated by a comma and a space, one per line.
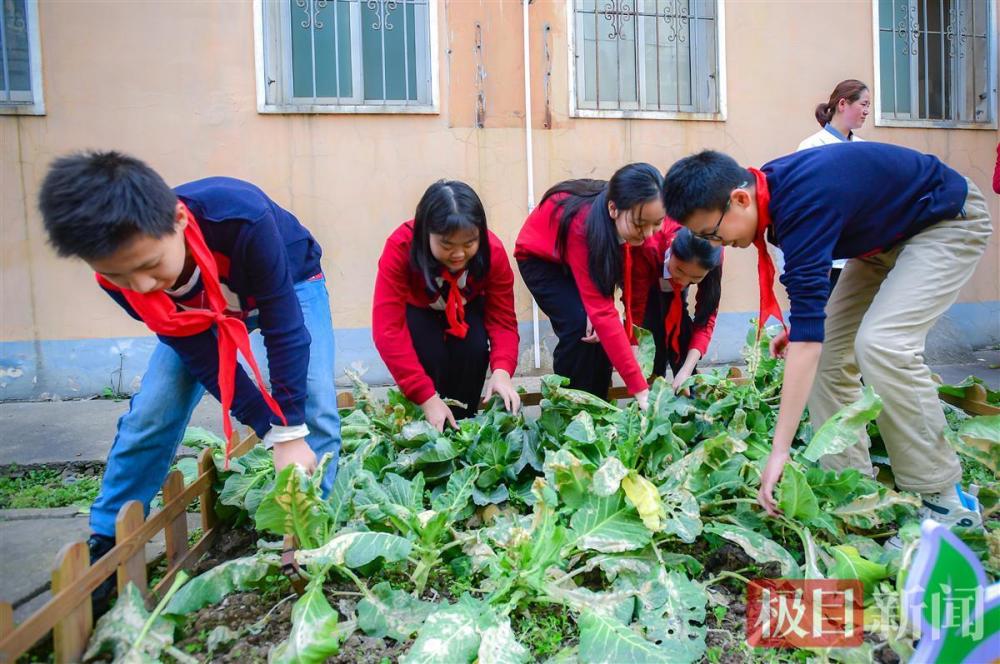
point(530, 162)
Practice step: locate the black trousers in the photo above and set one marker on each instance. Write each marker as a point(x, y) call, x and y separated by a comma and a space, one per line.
point(657, 305)
point(457, 366)
point(586, 365)
point(834, 276)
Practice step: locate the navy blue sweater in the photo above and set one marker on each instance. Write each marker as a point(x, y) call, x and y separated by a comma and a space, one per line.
point(262, 251)
point(849, 200)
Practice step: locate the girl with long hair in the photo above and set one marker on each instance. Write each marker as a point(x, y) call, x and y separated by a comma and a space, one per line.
point(573, 251)
point(443, 309)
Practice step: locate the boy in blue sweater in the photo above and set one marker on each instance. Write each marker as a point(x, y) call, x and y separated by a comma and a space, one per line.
point(201, 265)
point(913, 229)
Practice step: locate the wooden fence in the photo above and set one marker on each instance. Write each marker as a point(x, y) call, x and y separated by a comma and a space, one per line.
point(67, 615)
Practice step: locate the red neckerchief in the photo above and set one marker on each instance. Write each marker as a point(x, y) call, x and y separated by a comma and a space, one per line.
point(672, 323)
point(765, 266)
point(454, 308)
point(161, 315)
point(627, 295)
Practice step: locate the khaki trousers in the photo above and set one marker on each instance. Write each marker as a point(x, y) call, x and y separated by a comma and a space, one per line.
point(877, 321)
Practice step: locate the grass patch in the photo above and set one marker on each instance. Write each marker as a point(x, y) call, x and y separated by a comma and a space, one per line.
point(46, 489)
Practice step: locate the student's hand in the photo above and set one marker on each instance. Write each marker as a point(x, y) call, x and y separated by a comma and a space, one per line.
point(500, 385)
point(642, 398)
point(779, 344)
point(769, 480)
point(437, 413)
point(294, 451)
point(590, 337)
point(682, 375)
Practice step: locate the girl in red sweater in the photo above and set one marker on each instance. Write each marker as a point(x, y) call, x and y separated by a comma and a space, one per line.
point(670, 262)
point(573, 250)
point(443, 309)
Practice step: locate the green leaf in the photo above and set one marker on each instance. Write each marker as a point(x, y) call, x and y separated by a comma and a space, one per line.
point(646, 500)
point(450, 634)
point(314, 635)
point(119, 629)
point(606, 640)
point(212, 586)
point(457, 492)
point(341, 498)
point(682, 515)
point(848, 564)
point(876, 509)
point(608, 525)
point(760, 548)
point(355, 549)
point(609, 476)
point(499, 645)
point(978, 438)
point(958, 390)
point(647, 349)
point(797, 500)
point(569, 476)
point(499, 494)
point(294, 506)
point(672, 613)
point(846, 427)
point(581, 429)
point(393, 613)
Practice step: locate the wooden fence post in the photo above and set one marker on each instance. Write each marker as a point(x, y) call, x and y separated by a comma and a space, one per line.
point(6, 619)
point(206, 464)
point(176, 532)
point(345, 400)
point(130, 519)
point(70, 635)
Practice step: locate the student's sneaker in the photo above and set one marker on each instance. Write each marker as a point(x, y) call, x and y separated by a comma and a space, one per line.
point(953, 509)
point(100, 599)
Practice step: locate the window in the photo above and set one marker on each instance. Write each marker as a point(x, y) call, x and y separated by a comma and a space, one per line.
point(353, 56)
point(20, 59)
point(936, 62)
point(647, 58)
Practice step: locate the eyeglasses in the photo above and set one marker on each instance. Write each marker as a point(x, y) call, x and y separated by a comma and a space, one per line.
point(714, 233)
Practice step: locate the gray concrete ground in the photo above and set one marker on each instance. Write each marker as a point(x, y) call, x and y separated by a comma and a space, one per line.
point(82, 432)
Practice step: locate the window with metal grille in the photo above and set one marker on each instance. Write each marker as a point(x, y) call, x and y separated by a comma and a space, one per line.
point(655, 58)
point(20, 66)
point(936, 62)
point(347, 56)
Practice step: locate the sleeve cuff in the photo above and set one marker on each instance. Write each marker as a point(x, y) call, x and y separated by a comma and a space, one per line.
point(806, 329)
point(283, 434)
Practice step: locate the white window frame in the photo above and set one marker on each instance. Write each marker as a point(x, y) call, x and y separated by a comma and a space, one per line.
point(34, 101)
point(268, 40)
point(937, 124)
point(576, 112)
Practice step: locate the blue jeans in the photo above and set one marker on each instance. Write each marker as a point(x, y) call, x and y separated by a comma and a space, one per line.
point(151, 431)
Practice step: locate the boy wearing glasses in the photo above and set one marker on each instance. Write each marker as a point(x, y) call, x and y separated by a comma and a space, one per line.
point(897, 215)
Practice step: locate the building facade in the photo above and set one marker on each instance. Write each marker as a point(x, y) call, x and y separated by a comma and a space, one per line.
point(344, 111)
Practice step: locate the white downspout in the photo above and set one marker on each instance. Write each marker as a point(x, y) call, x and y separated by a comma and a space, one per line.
point(530, 161)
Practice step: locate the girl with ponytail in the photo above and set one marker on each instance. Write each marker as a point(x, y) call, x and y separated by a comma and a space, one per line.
point(847, 109)
point(574, 249)
point(443, 309)
point(670, 262)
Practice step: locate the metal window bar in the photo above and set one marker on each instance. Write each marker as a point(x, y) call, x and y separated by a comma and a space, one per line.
point(336, 50)
point(656, 22)
point(406, 54)
point(4, 42)
point(312, 43)
point(597, 58)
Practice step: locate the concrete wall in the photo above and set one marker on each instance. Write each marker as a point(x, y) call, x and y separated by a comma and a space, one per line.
point(174, 83)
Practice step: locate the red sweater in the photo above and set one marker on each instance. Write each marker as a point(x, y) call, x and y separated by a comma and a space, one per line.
point(537, 239)
point(398, 285)
point(647, 268)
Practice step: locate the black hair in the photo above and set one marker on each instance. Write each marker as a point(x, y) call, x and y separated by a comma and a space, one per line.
point(690, 249)
point(702, 181)
point(446, 207)
point(631, 185)
point(94, 203)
